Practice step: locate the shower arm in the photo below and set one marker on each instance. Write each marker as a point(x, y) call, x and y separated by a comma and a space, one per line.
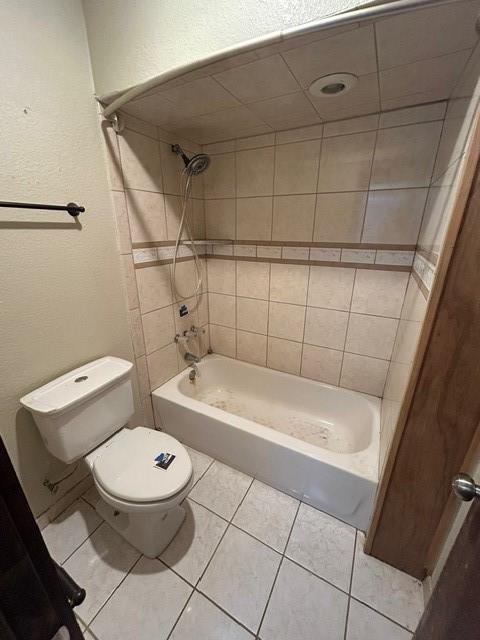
point(176, 148)
point(342, 19)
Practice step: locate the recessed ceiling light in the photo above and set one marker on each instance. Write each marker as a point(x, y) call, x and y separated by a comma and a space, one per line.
point(332, 85)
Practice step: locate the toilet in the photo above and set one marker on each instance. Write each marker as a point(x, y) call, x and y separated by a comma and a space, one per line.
point(83, 414)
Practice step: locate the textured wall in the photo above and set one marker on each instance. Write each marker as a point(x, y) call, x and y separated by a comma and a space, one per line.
point(131, 41)
point(60, 291)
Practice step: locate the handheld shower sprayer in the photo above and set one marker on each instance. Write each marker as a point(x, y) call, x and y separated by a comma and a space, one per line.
point(193, 167)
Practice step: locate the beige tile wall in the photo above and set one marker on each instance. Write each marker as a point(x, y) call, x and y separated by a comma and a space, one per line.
point(444, 184)
point(460, 112)
point(409, 328)
point(145, 182)
point(332, 324)
point(361, 183)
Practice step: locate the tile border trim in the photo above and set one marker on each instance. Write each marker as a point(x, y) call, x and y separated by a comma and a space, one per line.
point(282, 243)
point(356, 259)
point(423, 272)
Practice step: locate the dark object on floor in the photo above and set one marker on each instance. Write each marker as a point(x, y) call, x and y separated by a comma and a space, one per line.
point(75, 595)
point(33, 602)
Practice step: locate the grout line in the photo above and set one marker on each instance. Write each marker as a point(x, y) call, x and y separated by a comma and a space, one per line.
point(437, 181)
point(269, 276)
point(227, 613)
point(365, 604)
point(237, 526)
point(272, 222)
point(181, 611)
point(226, 529)
point(318, 191)
point(278, 571)
point(235, 189)
point(460, 76)
point(87, 628)
point(130, 127)
point(206, 469)
point(118, 585)
point(243, 499)
point(173, 194)
point(213, 552)
point(375, 315)
point(274, 178)
point(348, 324)
point(207, 508)
point(369, 190)
point(353, 562)
point(229, 523)
point(431, 181)
point(305, 314)
point(377, 63)
point(83, 541)
point(350, 585)
point(83, 496)
point(257, 636)
point(173, 570)
point(316, 575)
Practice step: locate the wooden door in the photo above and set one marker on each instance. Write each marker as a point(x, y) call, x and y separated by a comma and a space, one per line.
point(453, 612)
point(441, 410)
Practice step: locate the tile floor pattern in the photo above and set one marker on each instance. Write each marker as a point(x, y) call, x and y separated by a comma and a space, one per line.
point(248, 562)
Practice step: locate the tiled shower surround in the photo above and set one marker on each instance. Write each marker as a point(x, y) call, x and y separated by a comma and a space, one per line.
point(145, 181)
point(324, 222)
point(309, 239)
point(444, 185)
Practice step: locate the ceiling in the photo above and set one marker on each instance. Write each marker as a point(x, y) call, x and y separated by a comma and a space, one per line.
point(403, 60)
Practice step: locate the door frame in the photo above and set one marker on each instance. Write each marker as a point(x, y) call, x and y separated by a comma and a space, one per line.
point(414, 508)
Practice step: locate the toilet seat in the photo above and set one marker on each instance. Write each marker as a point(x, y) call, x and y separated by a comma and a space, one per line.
point(126, 475)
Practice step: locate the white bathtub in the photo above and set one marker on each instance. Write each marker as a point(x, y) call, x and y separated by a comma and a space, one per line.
point(316, 442)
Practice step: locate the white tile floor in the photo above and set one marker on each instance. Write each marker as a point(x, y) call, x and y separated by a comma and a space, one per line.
point(248, 562)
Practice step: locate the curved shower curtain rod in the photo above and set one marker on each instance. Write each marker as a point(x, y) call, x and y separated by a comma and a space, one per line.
point(356, 15)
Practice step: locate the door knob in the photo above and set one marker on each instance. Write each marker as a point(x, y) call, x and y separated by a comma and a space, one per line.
point(465, 487)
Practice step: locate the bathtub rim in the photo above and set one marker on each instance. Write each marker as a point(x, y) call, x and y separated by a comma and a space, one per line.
point(369, 456)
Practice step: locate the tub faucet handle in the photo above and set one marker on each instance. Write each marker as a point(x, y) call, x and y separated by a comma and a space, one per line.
point(192, 332)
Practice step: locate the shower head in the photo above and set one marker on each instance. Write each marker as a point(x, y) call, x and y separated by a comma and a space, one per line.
point(194, 165)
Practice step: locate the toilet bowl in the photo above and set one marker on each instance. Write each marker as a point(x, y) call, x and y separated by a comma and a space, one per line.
point(83, 414)
point(139, 500)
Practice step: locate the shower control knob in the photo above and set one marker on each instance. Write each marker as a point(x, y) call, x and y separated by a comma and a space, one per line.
point(192, 332)
point(465, 487)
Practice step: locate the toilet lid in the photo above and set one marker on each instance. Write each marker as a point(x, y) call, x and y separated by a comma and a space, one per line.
point(127, 470)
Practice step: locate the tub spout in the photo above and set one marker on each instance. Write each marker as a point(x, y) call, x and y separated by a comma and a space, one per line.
point(191, 357)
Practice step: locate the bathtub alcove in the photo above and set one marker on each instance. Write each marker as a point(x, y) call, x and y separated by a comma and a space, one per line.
point(336, 152)
point(316, 442)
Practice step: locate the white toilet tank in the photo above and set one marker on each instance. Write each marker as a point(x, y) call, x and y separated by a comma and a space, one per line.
point(81, 409)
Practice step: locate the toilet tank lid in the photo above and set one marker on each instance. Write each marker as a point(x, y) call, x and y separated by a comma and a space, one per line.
point(77, 386)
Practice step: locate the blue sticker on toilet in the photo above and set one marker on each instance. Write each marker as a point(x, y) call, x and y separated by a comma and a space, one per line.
point(164, 460)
